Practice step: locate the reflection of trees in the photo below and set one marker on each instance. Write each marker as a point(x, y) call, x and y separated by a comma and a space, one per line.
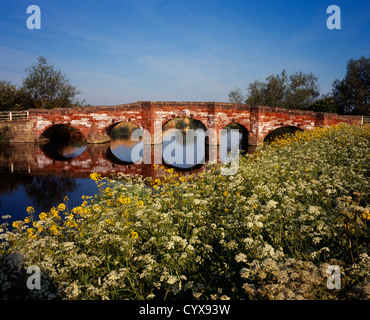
point(48, 191)
point(44, 191)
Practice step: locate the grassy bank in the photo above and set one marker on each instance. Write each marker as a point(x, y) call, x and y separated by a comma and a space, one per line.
point(269, 232)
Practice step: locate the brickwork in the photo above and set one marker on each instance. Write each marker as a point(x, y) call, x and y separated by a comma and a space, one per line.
point(96, 122)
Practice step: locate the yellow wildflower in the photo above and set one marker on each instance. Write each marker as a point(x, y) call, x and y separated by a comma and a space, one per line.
point(225, 193)
point(62, 207)
point(30, 210)
point(134, 234)
point(43, 216)
point(95, 176)
point(54, 229)
point(108, 222)
point(17, 224)
point(140, 203)
point(30, 232)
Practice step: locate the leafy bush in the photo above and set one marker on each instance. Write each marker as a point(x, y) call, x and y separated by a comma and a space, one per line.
point(5, 135)
point(295, 207)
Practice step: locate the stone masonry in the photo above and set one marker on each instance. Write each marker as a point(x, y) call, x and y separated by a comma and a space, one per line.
point(98, 121)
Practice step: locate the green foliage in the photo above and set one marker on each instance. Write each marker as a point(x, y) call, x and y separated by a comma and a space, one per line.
point(13, 98)
point(296, 91)
point(5, 136)
point(236, 96)
point(48, 87)
point(295, 207)
point(325, 104)
point(43, 87)
point(352, 94)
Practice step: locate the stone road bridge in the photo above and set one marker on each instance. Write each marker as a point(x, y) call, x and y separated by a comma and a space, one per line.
point(97, 122)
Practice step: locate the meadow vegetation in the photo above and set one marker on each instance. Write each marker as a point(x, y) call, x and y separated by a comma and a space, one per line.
point(295, 207)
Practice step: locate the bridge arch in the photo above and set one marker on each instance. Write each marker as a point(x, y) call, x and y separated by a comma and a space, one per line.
point(243, 132)
point(63, 142)
point(111, 128)
point(122, 147)
point(179, 152)
point(279, 131)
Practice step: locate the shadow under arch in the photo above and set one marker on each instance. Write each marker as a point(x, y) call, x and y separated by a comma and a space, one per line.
point(244, 135)
point(279, 132)
point(62, 142)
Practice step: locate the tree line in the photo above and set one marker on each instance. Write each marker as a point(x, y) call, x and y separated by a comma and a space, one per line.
point(351, 95)
point(43, 87)
point(46, 87)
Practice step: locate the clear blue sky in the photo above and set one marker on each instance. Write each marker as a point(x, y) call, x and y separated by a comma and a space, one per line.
point(124, 51)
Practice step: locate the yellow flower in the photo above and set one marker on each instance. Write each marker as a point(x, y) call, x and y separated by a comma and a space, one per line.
point(30, 210)
point(225, 193)
point(43, 216)
point(140, 203)
point(366, 215)
point(95, 176)
point(62, 207)
point(54, 229)
point(17, 224)
point(108, 222)
point(134, 234)
point(27, 220)
point(30, 232)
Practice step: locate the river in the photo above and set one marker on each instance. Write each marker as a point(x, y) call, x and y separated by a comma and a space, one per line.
point(42, 175)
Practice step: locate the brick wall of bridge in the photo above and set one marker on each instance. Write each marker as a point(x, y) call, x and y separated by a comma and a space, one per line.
point(97, 122)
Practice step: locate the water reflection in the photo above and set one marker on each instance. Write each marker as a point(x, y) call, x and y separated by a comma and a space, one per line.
point(125, 150)
point(122, 146)
point(63, 142)
point(63, 150)
point(183, 150)
point(41, 176)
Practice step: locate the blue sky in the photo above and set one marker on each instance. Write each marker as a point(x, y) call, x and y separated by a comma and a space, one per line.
point(125, 51)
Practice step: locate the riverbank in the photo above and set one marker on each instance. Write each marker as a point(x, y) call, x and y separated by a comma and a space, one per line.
point(271, 231)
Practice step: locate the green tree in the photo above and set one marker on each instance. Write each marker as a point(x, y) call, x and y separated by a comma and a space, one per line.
point(325, 104)
point(302, 90)
point(12, 98)
point(297, 91)
point(236, 96)
point(48, 87)
point(352, 94)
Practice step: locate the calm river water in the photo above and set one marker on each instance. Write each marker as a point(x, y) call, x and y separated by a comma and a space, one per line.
point(42, 175)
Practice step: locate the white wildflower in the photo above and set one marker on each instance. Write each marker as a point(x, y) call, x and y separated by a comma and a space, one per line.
point(240, 257)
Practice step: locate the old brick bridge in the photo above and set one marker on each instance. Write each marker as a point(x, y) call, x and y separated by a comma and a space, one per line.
point(97, 122)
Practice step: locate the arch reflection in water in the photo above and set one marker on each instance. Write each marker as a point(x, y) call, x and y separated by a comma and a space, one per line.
point(184, 150)
point(184, 144)
point(64, 142)
point(122, 146)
